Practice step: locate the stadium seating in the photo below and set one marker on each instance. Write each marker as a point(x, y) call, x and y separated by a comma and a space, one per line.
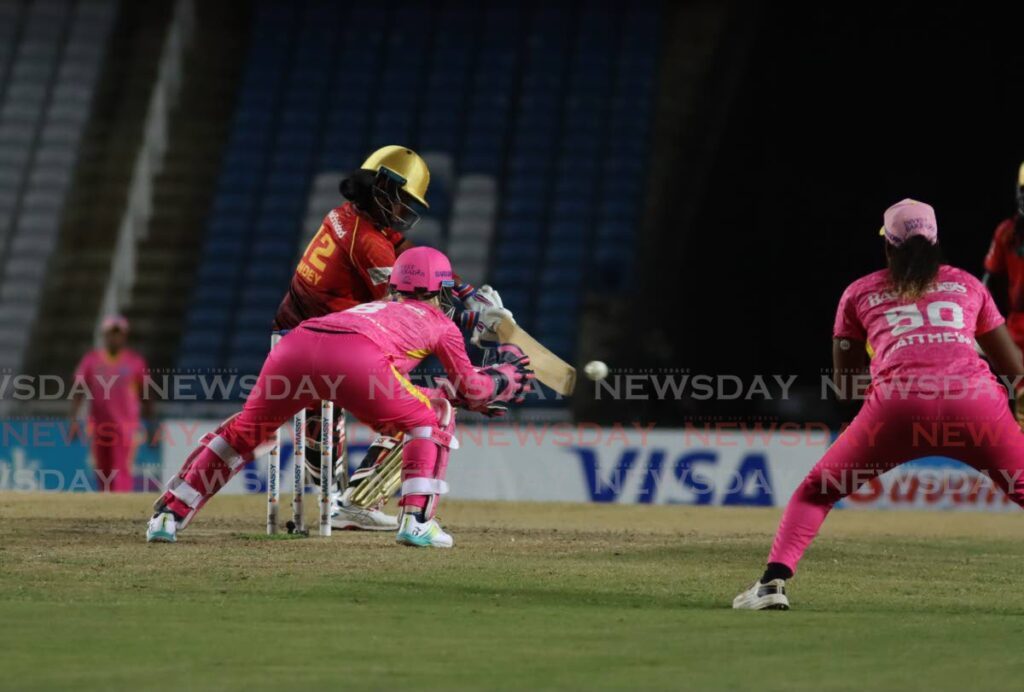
point(51, 52)
point(535, 122)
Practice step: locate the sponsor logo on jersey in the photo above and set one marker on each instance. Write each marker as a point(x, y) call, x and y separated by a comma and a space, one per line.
point(379, 275)
point(941, 287)
point(335, 221)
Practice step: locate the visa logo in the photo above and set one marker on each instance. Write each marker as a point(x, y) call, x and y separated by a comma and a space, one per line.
point(698, 477)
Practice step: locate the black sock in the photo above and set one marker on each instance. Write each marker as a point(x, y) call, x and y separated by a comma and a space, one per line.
point(776, 570)
point(164, 508)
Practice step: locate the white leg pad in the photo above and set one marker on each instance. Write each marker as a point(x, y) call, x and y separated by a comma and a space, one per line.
point(219, 446)
point(186, 493)
point(424, 486)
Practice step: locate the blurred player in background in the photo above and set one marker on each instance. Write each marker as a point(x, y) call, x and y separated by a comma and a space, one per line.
point(360, 359)
point(349, 262)
point(113, 375)
point(928, 385)
point(1004, 266)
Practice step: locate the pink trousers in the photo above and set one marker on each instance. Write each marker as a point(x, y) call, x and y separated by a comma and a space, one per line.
point(976, 428)
point(113, 451)
point(305, 368)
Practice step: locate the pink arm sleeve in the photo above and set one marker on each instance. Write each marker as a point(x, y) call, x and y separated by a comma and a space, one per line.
point(470, 383)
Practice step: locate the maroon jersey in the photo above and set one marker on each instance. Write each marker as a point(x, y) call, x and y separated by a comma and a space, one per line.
point(1005, 258)
point(348, 262)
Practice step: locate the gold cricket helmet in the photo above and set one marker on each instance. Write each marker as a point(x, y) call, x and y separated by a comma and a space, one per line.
point(403, 165)
point(1020, 190)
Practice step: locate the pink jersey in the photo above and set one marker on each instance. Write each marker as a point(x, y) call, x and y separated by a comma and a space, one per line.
point(925, 345)
point(114, 385)
point(407, 332)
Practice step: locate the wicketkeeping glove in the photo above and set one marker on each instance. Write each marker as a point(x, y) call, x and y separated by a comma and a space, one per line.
point(448, 391)
point(512, 375)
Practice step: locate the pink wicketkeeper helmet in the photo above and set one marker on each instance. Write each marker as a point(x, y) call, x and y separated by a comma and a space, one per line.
point(908, 218)
point(422, 268)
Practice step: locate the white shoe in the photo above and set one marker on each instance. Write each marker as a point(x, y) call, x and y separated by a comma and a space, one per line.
point(347, 516)
point(425, 534)
point(162, 528)
point(770, 596)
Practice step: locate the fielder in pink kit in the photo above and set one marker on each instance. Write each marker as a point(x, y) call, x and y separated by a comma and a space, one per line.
point(931, 393)
point(113, 376)
point(359, 359)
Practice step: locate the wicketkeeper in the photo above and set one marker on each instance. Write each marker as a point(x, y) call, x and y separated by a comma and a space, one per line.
point(360, 359)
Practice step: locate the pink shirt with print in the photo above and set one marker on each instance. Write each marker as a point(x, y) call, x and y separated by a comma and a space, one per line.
point(923, 343)
point(114, 384)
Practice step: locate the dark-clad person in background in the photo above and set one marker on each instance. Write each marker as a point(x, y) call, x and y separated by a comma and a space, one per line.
point(1004, 267)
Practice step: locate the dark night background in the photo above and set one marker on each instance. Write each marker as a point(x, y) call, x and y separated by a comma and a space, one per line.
point(838, 114)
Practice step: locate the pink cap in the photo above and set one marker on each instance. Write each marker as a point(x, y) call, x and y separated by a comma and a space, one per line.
point(908, 218)
point(114, 322)
point(421, 268)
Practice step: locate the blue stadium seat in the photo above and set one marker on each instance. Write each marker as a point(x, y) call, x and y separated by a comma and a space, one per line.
point(205, 341)
point(233, 203)
point(528, 163)
point(482, 162)
point(524, 206)
point(564, 250)
point(564, 303)
point(560, 278)
point(227, 226)
point(220, 249)
point(514, 250)
point(516, 299)
point(212, 295)
point(527, 186)
point(514, 276)
point(561, 345)
point(555, 325)
point(522, 230)
point(574, 230)
point(273, 248)
point(568, 206)
point(208, 312)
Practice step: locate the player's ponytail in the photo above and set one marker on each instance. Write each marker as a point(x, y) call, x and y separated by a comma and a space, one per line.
point(913, 266)
point(358, 189)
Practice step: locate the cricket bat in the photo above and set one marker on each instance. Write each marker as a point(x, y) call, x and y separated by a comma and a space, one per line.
point(549, 368)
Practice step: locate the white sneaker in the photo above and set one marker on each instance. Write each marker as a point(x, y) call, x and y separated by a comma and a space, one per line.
point(347, 516)
point(770, 596)
point(425, 534)
point(162, 528)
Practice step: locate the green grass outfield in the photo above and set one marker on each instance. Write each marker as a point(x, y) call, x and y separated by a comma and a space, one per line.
point(532, 597)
